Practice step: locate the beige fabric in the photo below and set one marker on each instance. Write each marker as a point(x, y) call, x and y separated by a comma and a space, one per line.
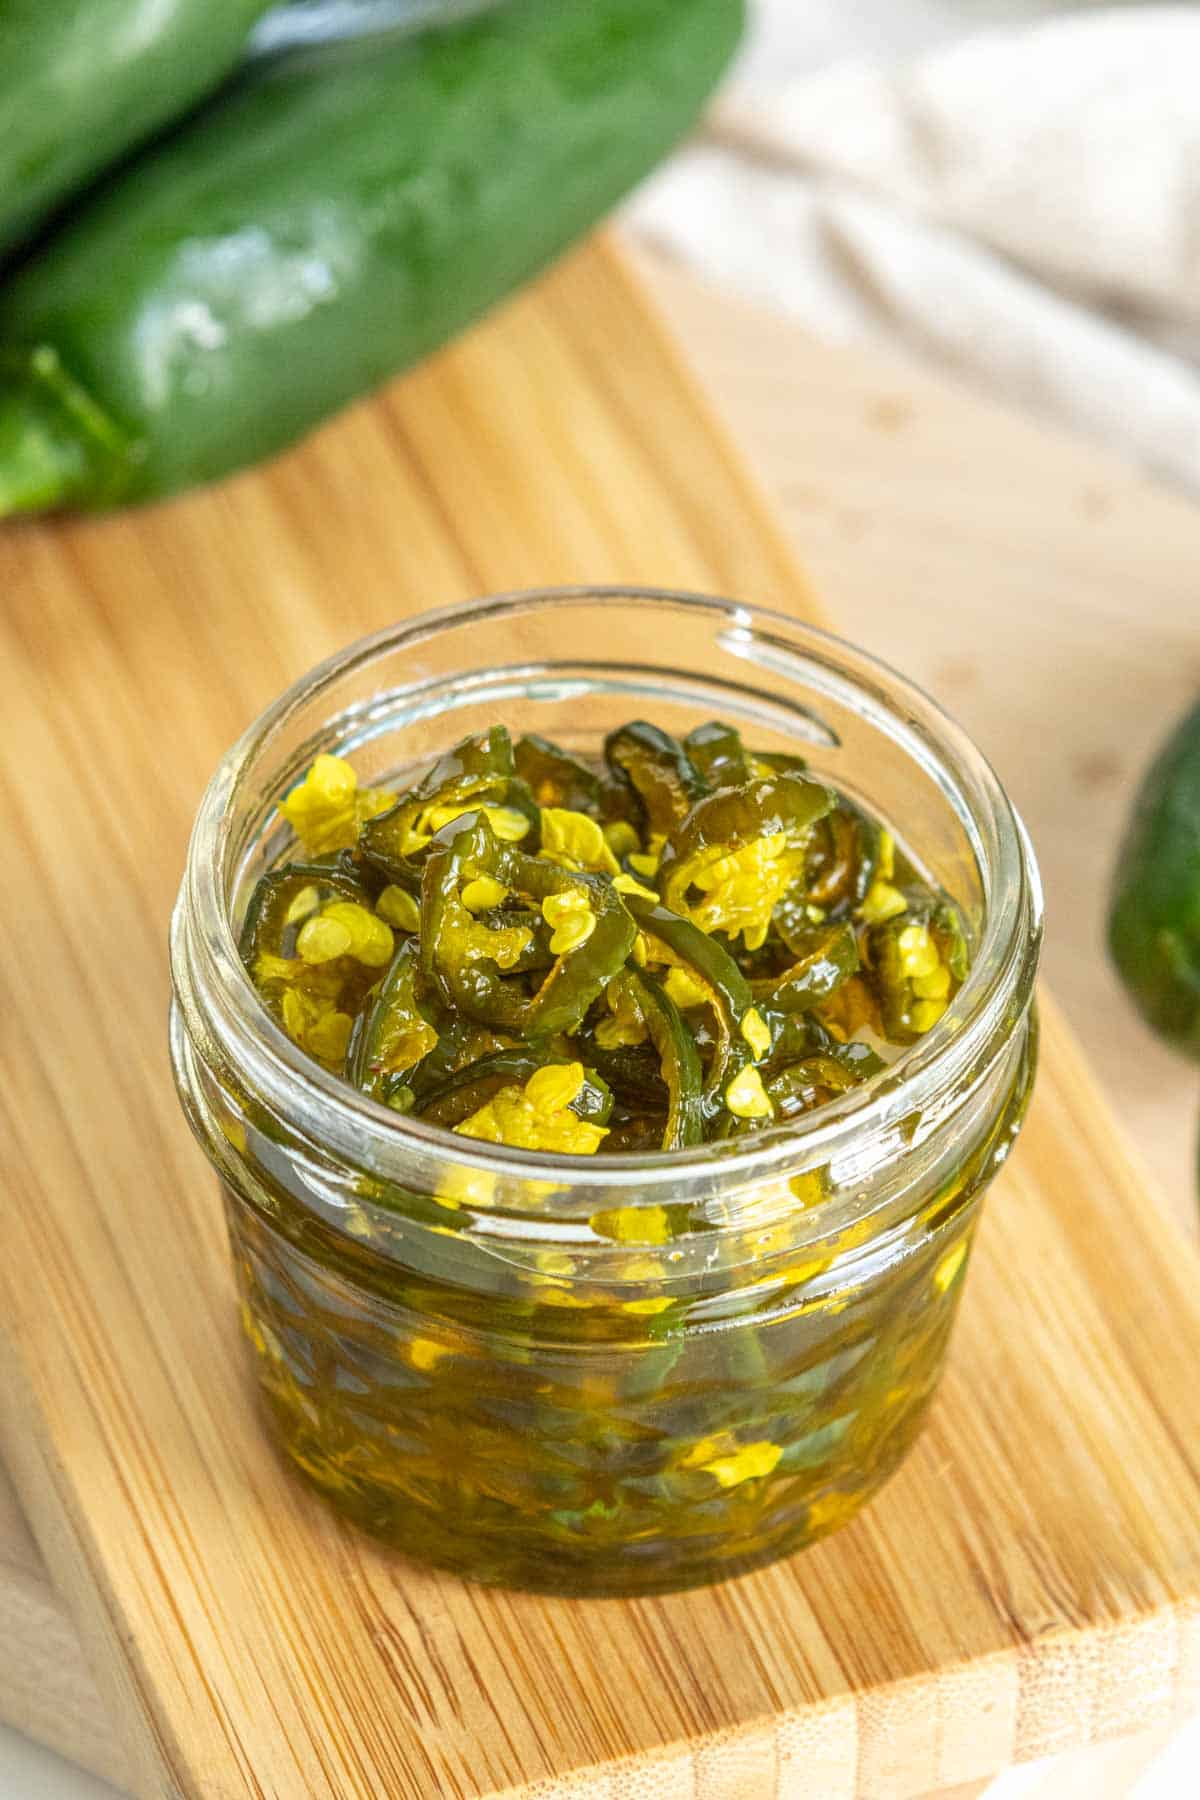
point(1022, 205)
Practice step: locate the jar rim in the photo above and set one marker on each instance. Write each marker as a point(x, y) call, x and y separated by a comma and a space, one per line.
point(218, 998)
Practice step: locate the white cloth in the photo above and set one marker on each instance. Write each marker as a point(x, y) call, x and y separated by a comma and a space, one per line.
point(1023, 205)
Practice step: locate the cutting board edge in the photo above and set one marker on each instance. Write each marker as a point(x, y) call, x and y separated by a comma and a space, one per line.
point(61, 1707)
point(868, 1727)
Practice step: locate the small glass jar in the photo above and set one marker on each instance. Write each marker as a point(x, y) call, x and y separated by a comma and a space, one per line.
point(624, 1373)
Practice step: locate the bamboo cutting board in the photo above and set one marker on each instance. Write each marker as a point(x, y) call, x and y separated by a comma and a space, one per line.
point(1030, 1580)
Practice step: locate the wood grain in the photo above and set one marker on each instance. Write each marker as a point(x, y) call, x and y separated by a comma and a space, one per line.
point(1031, 1579)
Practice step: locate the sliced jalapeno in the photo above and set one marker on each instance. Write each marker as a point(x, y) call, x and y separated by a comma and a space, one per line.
point(690, 941)
point(738, 852)
point(660, 772)
point(678, 1058)
point(717, 752)
point(594, 933)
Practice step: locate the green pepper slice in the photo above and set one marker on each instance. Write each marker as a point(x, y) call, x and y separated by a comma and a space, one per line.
point(795, 1036)
point(315, 1001)
point(842, 859)
point(679, 1060)
point(806, 1085)
point(555, 778)
point(739, 851)
point(273, 917)
point(713, 969)
point(466, 1091)
point(915, 964)
point(480, 771)
point(396, 1033)
point(454, 946)
point(717, 752)
point(827, 955)
point(660, 772)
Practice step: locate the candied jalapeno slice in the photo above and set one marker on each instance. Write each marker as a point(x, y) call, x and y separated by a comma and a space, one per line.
point(464, 1092)
point(843, 857)
point(461, 1042)
point(313, 948)
point(717, 752)
point(826, 955)
point(805, 1085)
point(795, 1035)
point(538, 1113)
point(678, 1058)
point(593, 932)
point(730, 862)
point(555, 778)
point(660, 772)
point(915, 963)
point(719, 983)
point(396, 1033)
point(479, 772)
point(282, 901)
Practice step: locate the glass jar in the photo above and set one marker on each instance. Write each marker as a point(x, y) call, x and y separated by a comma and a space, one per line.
point(620, 1373)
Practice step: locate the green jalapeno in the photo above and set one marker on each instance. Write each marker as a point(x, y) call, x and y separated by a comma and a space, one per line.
point(458, 959)
point(555, 778)
point(738, 852)
point(717, 752)
point(465, 1092)
point(83, 83)
point(842, 859)
point(826, 955)
point(660, 772)
point(806, 1085)
point(396, 1034)
point(1154, 919)
point(314, 947)
point(483, 948)
point(678, 1059)
point(327, 220)
point(915, 963)
point(720, 983)
point(480, 771)
point(281, 902)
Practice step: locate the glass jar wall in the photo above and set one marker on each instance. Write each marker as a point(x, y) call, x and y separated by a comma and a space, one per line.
point(624, 1373)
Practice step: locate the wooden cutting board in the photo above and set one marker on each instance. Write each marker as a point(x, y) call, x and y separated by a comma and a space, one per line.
point(1031, 1579)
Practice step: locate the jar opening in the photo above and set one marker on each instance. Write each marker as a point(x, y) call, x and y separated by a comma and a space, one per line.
point(408, 691)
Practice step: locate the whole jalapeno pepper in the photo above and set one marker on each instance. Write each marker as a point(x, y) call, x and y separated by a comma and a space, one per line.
point(327, 221)
point(1154, 917)
point(82, 81)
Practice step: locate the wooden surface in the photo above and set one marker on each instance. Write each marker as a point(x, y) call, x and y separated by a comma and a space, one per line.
point(1031, 1579)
